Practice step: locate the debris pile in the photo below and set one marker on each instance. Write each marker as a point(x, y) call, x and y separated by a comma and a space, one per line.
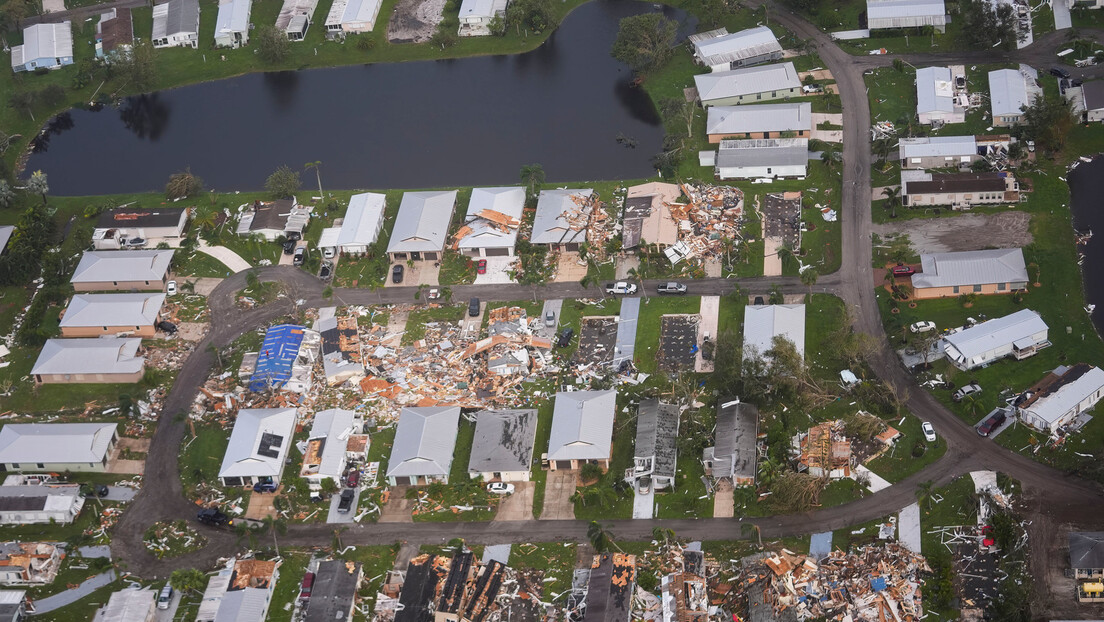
point(172, 539)
point(712, 216)
point(825, 451)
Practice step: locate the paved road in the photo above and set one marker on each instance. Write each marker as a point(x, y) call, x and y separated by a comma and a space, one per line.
point(1046, 489)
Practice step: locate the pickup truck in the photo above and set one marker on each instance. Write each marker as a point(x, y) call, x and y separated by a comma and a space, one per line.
point(621, 287)
point(672, 288)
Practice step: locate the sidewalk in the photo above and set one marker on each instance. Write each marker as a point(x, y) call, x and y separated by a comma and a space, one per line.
point(68, 597)
point(228, 257)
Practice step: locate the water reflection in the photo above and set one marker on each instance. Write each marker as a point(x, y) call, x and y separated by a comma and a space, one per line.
point(55, 126)
point(147, 116)
point(282, 86)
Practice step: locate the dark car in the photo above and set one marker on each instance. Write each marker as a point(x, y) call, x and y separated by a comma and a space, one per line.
point(300, 256)
point(166, 327)
point(758, 301)
point(94, 490)
point(565, 338)
point(902, 270)
point(326, 272)
point(473, 307)
point(294, 236)
point(211, 516)
point(346, 502)
point(397, 273)
point(264, 487)
point(1059, 72)
point(991, 423)
point(306, 586)
point(289, 247)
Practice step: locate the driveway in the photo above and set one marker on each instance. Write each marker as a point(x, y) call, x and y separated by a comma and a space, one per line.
point(398, 507)
point(710, 312)
point(518, 506)
point(498, 271)
point(643, 505)
point(421, 273)
point(473, 325)
point(342, 517)
point(555, 306)
point(626, 331)
point(167, 615)
point(1009, 421)
point(568, 268)
point(724, 500)
point(557, 496)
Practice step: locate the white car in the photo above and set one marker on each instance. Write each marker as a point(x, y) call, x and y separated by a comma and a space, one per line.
point(922, 327)
point(170, 288)
point(929, 431)
point(500, 488)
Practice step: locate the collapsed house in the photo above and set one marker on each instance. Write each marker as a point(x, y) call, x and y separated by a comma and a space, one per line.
point(335, 438)
point(707, 223)
point(29, 563)
point(273, 219)
point(285, 360)
point(333, 594)
point(647, 217)
point(685, 597)
point(566, 218)
point(610, 589)
point(655, 457)
point(825, 451)
point(456, 589)
point(511, 347)
point(492, 221)
point(342, 359)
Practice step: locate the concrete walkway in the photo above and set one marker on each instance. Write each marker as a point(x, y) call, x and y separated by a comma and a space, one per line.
point(876, 482)
point(228, 257)
point(908, 527)
point(710, 312)
point(643, 505)
point(68, 597)
point(1062, 19)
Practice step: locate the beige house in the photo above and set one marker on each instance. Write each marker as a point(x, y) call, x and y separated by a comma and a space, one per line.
point(647, 219)
point(75, 361)
point(995, 271)
point(748, 85)
point(57, 447)
point(122, 271)
point(93, 315)
point(958, 190)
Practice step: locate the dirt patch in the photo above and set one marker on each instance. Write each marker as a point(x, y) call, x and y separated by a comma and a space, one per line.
point(597, 338)
point(415, 21)
point(968, 232)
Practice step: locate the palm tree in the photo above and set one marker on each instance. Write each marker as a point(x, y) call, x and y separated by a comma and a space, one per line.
point(7, 195)
point(809, 278)
point(785, 253)
point(830, 157)
point(599, 538)
point(924, 491)
point(634, 274)
point(38, 185)
point(316, 165)
point(663, 534)
point(213, 349)
point(747, 528)
point(205, 219)
point(893, 199)
point(532, 175)
point(769, 471)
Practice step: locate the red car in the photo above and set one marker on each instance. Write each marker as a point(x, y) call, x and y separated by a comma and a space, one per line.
point(481, 266)
point(903, 271)
point(307, 586)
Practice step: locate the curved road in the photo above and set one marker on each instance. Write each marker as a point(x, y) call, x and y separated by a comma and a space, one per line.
point(1051, 493)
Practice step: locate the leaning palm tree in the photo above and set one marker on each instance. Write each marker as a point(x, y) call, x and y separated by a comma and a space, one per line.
point(924, 492)
point(599, 538)
point(809, 278)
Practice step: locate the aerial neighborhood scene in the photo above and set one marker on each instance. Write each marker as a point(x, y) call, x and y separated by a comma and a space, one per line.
point(551, 311)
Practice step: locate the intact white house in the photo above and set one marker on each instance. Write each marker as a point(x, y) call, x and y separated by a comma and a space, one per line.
point(894, 14)
point(57, 447)
point(232, 23)
point(1057, 400)
point(721, 51)
point(1010, 91)
point(582, 429)
point(936, 100)
point(258, 445)
point(40, 504)
point(789, 120)
point(424, 442)
point(348, 17)
point(476, 16)
point(748, 85)
point(1019, 335)
point(360, 228)
point(45, 46)
point(762, 323)
point(491, 223)
point(176, 24)
point(949, 151)
point(421, 226)
point(762, 157)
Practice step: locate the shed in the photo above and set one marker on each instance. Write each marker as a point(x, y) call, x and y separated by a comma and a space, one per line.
point(424, 444)
point(1020, 335)
point(258, 445)
point(582, 429)
point(503, 446)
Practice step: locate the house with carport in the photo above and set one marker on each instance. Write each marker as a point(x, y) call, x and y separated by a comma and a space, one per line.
point(502, 450)
point(40, 504)
point(937, 102)
point(45, 46)
point(491, 223)
point(788, 120)
point(421, 226)
point(92, 360)
point(1019, 335)
point(1060, 397)
point(258, 446)
point(992, 271)
point(582, 429)
point(562, 218)
point(95, 315)
point(360, 228)
point(273, 219)
point(348, 17)
point(122, 271)
point(57, 447)
point(424, 442)
point(748, 85)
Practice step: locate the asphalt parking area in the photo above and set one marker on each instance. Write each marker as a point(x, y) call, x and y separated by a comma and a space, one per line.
point(678, 340)
point(597, 340)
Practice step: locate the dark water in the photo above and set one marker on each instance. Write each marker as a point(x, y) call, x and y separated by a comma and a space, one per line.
point(401, 125)
point(1086, 184)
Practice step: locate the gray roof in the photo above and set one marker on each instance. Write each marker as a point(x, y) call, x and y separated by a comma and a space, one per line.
point(484, 234)
point(734, 439)
point(1093, 92)
point(1008, 92)
point(1073, 385)
point(294, 15)
point(895, 9)
point(746, 81)
point(363, 219)
point(1086, 550)
point(423, 221)
point(89, 356)
point(424, 441)
point(259, 443)
point(55, 443)
point(789, 117)
point(112, 310)
point(504, 441)
point(549, 224)
point(128, 605)
point(360, 11)
point(737, 153)
point(723, 47)
point(996, 333)
point(6, 232)
point(47, 41)
point(334, 591)
point(110, 266)
point(178, 16)
point(1001, 265)
point(245, 605)
point(335, 425)
point(657, 427)
point(582, 425)
point(937, 146)
point(934, 90)
point(34, 498)
point(763, 322)
point(233, 16)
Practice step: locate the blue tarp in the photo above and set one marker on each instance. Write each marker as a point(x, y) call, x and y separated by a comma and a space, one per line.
point(877, 583)
point(277, 355)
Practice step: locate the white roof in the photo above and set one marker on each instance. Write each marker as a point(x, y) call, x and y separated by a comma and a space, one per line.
point(110, 266)
point(174, 17)
point(996, 333)
point(363, 219)
point(789, 117)
point(5, 235)
point(259, 443)
point(756, 152)
point(89, 356)
point(55, 443)
point(746, 81)
point(335, 425)
point(128, 606)
point(890, 9)
point(45, 41)
point(481, 8)
point(762, 323)
point(293, 13)
point(424, 441)
point(937, 146)
point(723, 47)
point(1007, 92)
point(233, 16)
point(422, 222)
point(934, 90)
point(582, 425)
point(1003, 265)
point(113, 310)
point(360, 11)
point(1051, 407)
point(328, 239)
point(551, 227)
point(509, 201)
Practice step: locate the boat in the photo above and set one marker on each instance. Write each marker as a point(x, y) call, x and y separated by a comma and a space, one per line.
point(1089, 308)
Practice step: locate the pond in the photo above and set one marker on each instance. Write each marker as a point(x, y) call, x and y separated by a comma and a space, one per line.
point(567, 105)
point(1086, 183)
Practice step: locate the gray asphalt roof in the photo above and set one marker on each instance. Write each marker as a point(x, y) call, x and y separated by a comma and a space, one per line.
point(57, 443)
point(996, 333)
point(726, 48)
point(334, 591)
point(38, 498)
point(180, 16)
point(422, 222)
point(424, 441)
point(934, 91)
point(746, 81)
point(937, 146)
point(108, 266)
point(764, 322)
point(1092, 91)
point(582, 425)
point(253, 428)
point(112, 310)
point(734, 440)
point(763, 152)
point(503, 441)
point(549, 224)
point(1002, 265)
point(89, 356)
point(788, 117)
point(657, 427)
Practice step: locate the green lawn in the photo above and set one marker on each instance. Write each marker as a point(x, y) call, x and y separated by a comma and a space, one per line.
point(199, 458)
point(898, 462)
point(292, 569)
point(555, 559)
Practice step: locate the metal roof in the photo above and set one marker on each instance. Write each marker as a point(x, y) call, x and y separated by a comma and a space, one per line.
point(789, 117)
point(481, 8)
point(423, 221)
point(175, 16)
point(937, 146)
point(723, 47)
point(45, 41)
point(424, 441)
point(129, 605)
point(582, 425)
point(6, 232)
point(734, 439)
point(117, 266)
point(112, 310)
point(64, 499)
point(361, 11)
point(762, 323)
point(504, 441)
point(657, 427)
point(56, 443)
point(484, 233)
point(89, 356)
point(934, 90)
point(259, 443)
point(549, 224)
point(278, 352)
point(1061, 392)
point(1008, 92)
point(1086, 550)
point(746, 81)
point(245, 605)
point(897, 9)
point(335, 425)
point(334, 591)
point(363, 220)
point(996, 333)
point(293, 13)
point(233, 16)
point(763, 152)
point(1093, 93)
point(1002, 265)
